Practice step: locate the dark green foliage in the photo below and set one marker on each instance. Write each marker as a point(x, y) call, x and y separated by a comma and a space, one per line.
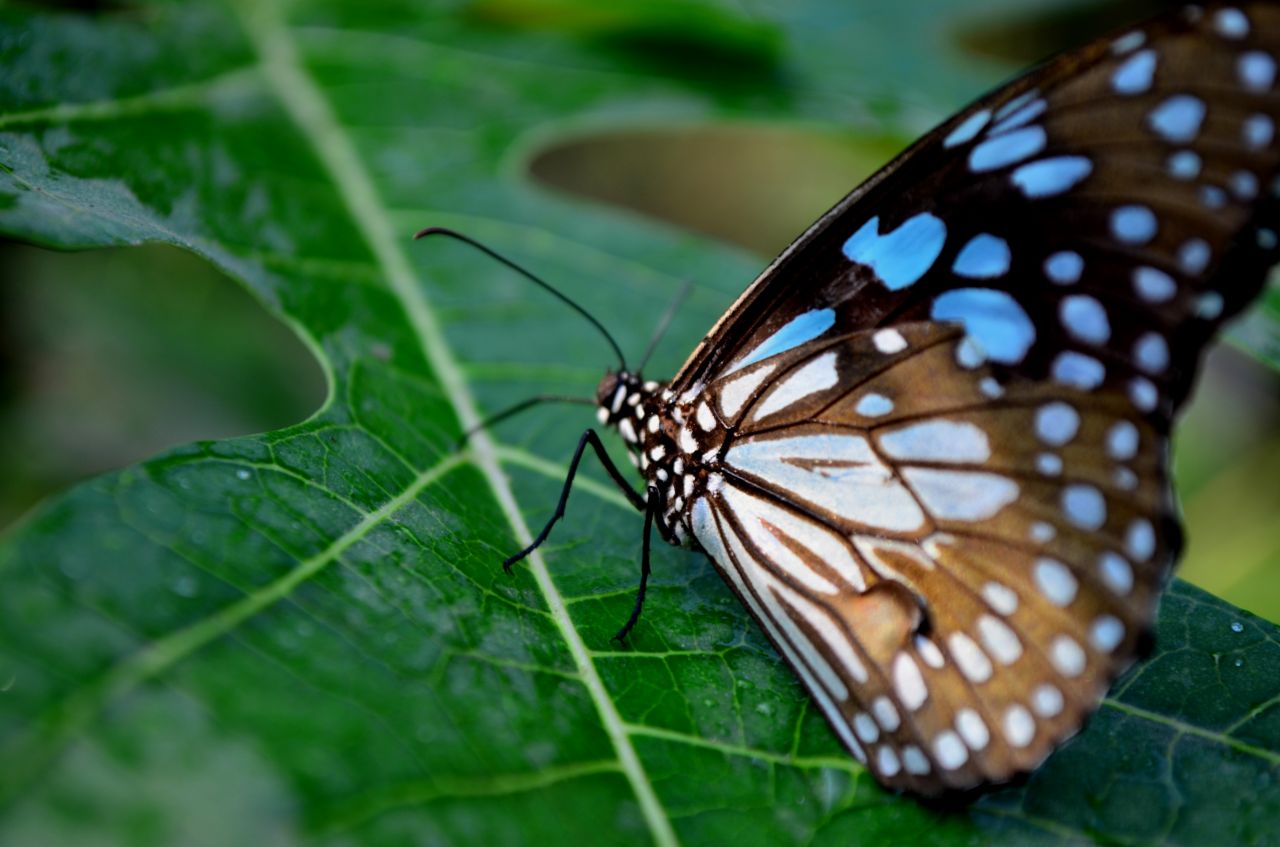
point(305, 635)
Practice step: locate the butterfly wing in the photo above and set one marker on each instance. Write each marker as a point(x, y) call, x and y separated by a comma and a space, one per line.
point(1092, 222)
point(959, 546)
point(956, 573)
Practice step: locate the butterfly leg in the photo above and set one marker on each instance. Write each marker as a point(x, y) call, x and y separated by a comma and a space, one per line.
point(588, 438)
point(652, 506)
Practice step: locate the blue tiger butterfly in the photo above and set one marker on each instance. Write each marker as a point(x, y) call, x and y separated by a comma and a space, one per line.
point(927, 447)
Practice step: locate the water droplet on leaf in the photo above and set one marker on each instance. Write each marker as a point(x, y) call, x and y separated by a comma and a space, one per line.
point(185, 586)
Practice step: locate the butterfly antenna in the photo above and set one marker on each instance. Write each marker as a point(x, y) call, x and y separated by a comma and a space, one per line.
point(544, 285)
point(512, 411)
point(664, 323)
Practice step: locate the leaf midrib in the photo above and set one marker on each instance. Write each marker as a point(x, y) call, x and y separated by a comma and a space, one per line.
point(302, 100)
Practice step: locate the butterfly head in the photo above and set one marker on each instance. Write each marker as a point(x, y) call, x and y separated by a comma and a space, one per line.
point(613, 393)
point(608, 389)
point(630, 404)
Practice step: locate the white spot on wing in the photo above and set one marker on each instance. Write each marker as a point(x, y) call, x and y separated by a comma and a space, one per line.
point(886, 713)
point(961, 495)
point(973, 663)
point(949, 750)
point(929, 652)
point(1000, 641)
point(889, 341)
point(866, 728)
point(908, 682)
point(1019, 726)
point(914, 760)
point(1000, 597)
point(873, 405)
point(705, 417)
point(1084, 506)
point(1055, 581)
point(735, 393)
point(817, 375)
point(1067, 656)
point(888, 761)
point(972, 728)
point(836, 472)
point(937, 441)
point(1046, 700)
point(1106, 632)
point(1116, 572)
point(1140, 540)
point(1057, 423)
point(757, 515)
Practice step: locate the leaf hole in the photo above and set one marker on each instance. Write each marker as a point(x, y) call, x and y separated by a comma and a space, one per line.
point(752, 185)
point(110, 356)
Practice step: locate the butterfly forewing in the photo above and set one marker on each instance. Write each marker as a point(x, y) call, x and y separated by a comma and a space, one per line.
point(1092, 222)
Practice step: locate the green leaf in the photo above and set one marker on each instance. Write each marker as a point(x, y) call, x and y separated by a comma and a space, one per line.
point(305, 635)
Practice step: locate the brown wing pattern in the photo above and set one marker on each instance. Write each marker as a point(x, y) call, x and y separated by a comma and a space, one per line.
point(956, 570)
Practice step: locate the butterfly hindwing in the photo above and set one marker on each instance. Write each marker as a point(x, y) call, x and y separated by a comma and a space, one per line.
point(955, 610)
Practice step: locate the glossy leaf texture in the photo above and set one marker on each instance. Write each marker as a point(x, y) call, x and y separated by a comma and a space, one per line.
point(304, 636)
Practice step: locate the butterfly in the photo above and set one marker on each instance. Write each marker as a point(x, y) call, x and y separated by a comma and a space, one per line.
point(928, 446)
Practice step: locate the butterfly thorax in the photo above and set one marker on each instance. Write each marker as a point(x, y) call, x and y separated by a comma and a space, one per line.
point(676, 449)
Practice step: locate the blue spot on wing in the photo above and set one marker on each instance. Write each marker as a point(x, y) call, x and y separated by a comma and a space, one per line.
point(1016, 103)
point(1178, 119)
point(1064, 267)
point(984, 257)
point(1051, 176)
point(967, 129)
point(1136, 74)
point(1022, 116)
point(1007, 149)
point(1072, 368)
point(991, 318)
point(1134, 224)
point(797, 331)
point(900, 257)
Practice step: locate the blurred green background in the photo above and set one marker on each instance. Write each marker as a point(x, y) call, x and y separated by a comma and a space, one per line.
point(108, 357)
